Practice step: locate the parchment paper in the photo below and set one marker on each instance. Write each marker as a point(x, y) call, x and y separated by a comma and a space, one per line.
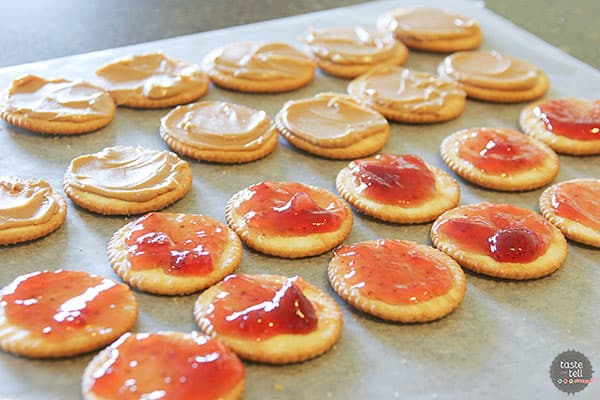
point(498, 344)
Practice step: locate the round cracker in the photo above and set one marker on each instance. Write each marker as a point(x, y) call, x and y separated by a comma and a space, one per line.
point(447, 196)
point(156, 280)
point(30, 232)
point(21, 341)
point(544, 265)
point(528, 179)
point(222, 156)
point(139, 100)
point(442, 45)
point(572, 229)
point(98, 364)
point(288, 246)
point(425, 311)
point(534, 126)
point(283, 348)
point(347, 71)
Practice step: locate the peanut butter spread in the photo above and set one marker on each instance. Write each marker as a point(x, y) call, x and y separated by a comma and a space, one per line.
point(351, 45)
point(260, 61)
point(126, 173)
point(57, 100)
point(330, 120)
point(427, 23)
point(26, 202)
point(218, 125)
point(405, 90)
point(489, 70)
point(151, 75)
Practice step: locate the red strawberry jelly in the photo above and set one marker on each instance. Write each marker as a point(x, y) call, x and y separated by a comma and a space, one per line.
point(393, 271)
point(500, 151)
point(156, 366)
point(180, 244)
point(254, 308)
point(392, 179)
point(55, 304)
point(578, 201)
point(290, 209)
point(502, 231)
point(572, 118)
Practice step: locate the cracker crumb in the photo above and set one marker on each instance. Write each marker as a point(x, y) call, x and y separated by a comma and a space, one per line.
point(278, 387)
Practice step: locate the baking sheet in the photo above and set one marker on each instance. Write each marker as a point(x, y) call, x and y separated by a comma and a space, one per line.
point(499, 343)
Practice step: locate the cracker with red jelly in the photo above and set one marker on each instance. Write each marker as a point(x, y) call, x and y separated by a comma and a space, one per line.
point(569, 126)
point(289, 219)
point(164, 365)
point(171, 254)
point(51, 314)
point(397, 280)
point(500, 159)
point(270, 318)
point(574, 208)
point(398, 188)
point(500, 240)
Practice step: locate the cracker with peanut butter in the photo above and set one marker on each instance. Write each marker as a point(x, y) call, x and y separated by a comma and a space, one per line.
point(259, 67)
point(219, 132)
point(432, 29)
point(123, 180)
point(332, 125)
point(152, 81)
point(409, 96)
point(29, 209)
point(57, 106)
point(494, 77)
point(350, 51)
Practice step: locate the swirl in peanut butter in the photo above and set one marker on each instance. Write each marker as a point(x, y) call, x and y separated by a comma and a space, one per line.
point(404, 89)
point(26, 202)
point(351, 45)
point(489, 70)
point(57, 100)
point(219, 125)
point(260, 61)
point(154, 76)
point(126, 173)
point(330, 120)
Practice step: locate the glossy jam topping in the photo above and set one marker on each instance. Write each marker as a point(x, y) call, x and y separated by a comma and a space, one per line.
point(290, 209)
point(489, 70)
point(126, 173)
point(502, 231)
point(331, 120)
point(500, 151)
point(259, 61)
point(405, 90)
point(403, 180)
point(257, 308)
point(179, 244)
point(218, 125)
point(26, 202)
point(351, 45)
point(153, 75)
point(393, 271)
point(57, 304)
point(578, 201)
point(423, 22)
point(167, 366)
point(572, 118)
point(58, 100)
